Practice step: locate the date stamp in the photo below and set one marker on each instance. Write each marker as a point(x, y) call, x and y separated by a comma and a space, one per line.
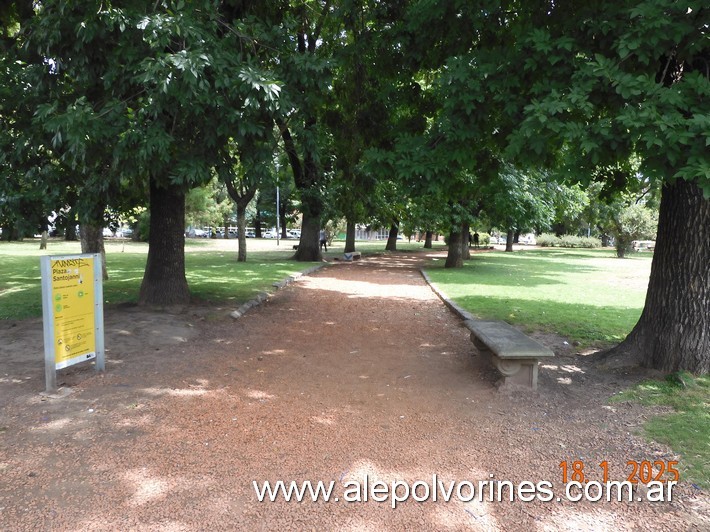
point(642, 472)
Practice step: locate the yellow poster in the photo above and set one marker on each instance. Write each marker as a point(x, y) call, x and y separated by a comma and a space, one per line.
point(72, 288)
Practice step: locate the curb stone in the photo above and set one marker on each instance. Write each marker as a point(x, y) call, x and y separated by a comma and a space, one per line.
point(278, 285)
point(463, 314)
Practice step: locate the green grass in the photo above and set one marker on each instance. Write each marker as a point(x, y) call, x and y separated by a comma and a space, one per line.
point(588, 296)
point(213, 274)
point(687, 429)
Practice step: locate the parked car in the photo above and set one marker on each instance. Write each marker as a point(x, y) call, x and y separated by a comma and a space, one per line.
point(269, 234)
point(249, 234)
point(294, 233)
point(200, 233)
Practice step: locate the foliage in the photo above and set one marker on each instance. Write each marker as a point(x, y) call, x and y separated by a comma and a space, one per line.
point(572, 241)
point(567, 241)
point(547, 240)
point(633, 222)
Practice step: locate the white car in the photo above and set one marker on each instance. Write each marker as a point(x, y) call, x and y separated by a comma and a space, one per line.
point(269, 234)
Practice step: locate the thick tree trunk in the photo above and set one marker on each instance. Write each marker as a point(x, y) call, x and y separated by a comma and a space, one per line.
point(427, 240)
point(309, 244)
point(241, 233)
point(673, 332)
point(92, 241)
point(350, 236)
point(392, 237)
point(509, 240)
point(453, 258)
point(43, 240)
point(164, 281)
point(465, 242)
point(225, 222)
point(516, 237)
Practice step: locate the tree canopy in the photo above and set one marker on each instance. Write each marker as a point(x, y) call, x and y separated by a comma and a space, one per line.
point(506, 110)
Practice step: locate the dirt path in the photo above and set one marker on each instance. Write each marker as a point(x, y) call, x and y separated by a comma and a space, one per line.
point(358, 370)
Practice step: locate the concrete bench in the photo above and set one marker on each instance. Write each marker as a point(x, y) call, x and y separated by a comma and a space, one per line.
point(515, 355)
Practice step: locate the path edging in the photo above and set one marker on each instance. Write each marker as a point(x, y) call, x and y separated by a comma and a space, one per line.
point(460, 312)
point(278, 285)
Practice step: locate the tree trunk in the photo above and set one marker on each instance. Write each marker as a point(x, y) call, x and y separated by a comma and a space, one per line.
point(225, 221)
point(241, 233)
point(453, 258)
point(392, 237)
point(282, 221)
point(43, 240)
point(257, 224)
point(516, 237)
point(309, 244)
point(350, 236)
point(427, 240)
point(509, 240)
point(164, 281)
point(673, 332)
point(465, 242)
point(92, 241)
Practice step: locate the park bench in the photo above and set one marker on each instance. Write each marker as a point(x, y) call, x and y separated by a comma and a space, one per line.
point(514, 354)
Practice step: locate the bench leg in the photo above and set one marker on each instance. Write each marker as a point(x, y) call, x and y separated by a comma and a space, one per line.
point(482, 349)
point(517, 372)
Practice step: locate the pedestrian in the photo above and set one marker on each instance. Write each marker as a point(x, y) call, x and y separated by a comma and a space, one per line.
point(475, 239)
point(323, 239)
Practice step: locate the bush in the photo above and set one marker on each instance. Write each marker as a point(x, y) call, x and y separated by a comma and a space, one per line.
point(568, 241)
point(548, 240)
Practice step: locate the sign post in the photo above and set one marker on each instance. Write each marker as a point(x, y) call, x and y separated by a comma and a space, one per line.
point(72, 311)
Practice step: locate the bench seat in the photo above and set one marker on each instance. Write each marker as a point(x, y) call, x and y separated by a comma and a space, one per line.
point(513, 353)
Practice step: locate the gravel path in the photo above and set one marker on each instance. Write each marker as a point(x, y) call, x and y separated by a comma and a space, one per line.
point(356, 371)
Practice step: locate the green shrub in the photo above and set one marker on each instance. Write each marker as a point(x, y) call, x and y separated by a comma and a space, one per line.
point(571, 241)
point(568, 241)
point(484, 239)
point(548, 240)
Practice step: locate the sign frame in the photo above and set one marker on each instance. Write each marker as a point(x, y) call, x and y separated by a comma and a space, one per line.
point(54, 322)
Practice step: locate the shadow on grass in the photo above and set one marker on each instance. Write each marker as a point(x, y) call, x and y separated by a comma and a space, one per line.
point(588, 324)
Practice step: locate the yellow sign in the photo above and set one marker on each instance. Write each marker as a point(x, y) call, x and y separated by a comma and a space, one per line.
point(72, 289)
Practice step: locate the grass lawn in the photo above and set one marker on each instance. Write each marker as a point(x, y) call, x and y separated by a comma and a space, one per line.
point(588, 296)
point(687, 430)
point(212, 271)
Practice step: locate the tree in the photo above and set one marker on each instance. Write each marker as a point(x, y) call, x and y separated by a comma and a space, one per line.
point(630, 79)
point(168, 83)
point(633, 222)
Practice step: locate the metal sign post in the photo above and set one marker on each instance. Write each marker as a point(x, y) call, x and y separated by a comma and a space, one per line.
point(72, 312)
